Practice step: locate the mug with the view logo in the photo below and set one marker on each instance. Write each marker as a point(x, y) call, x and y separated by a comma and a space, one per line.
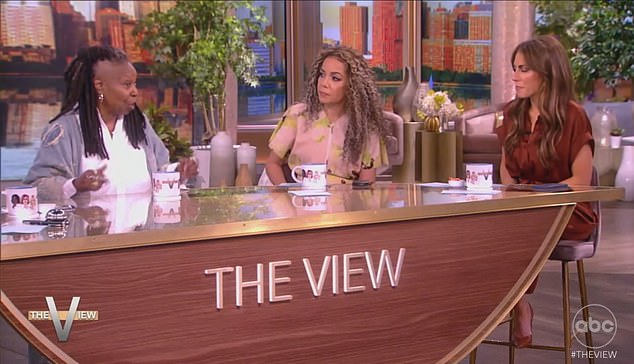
point(479, 176)
point(166, 185)
point(310, 175)
point(21, 201)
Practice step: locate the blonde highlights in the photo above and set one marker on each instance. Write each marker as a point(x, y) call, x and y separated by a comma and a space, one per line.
point(365, 114)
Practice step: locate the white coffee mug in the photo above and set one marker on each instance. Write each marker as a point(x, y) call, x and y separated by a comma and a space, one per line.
point(310, 175)
point(21, 201)
point(310, 203)
point(479, 176)
point(166, 185)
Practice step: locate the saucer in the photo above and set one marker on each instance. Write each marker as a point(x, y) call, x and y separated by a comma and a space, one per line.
point(456, 183)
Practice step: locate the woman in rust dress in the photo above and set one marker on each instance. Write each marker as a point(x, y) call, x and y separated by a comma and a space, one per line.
point(546, 137)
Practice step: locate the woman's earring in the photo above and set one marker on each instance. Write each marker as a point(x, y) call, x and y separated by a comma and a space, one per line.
point(100, 98)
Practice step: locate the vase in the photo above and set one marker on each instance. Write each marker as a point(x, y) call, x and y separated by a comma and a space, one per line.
point(222, 168)
point(432, 124)
point(404, 97)
point(246, 154)
point(421, 92)
point(603, 121)
point(243, 178)
point(625, 174)
point(202, 155)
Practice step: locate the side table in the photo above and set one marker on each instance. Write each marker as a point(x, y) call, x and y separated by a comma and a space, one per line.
point(440, 155)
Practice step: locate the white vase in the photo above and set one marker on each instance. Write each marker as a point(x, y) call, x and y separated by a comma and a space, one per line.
point(625, 174)
point(222, 168)
point(246, 154)
point(603, 121)
point(202, 155)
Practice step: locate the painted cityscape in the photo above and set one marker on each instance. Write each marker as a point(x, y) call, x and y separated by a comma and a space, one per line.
point(456, 43)
point(39, 38)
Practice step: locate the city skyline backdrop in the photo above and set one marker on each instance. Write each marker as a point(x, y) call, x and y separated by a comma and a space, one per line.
point(39, 38)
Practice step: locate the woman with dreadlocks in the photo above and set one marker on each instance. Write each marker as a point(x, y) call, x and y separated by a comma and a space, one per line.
point(340, 122)
point(100, 142)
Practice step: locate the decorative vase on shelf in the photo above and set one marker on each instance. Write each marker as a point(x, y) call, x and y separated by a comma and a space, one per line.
point(223, 161)
point(202, 155)
point(625, 174)
point(246, 154)
point(603, 121)
point(404, 97)
point(421, 92)
point(433, 124)
point(244, 177)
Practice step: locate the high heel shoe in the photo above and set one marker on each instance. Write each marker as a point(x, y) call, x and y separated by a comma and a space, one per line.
point(523, 341)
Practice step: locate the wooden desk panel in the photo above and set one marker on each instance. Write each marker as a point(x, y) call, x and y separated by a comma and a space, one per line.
point(460, 275)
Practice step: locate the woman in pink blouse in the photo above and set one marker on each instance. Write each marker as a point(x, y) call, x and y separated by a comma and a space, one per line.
point(340, 122)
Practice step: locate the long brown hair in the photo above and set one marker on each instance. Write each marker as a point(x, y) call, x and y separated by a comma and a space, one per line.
point(362, 99)
point(545, 55)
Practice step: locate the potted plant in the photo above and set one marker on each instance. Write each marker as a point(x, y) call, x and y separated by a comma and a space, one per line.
point(599, 43)
point(616, 135)
point(200, 42)
point(178, 147)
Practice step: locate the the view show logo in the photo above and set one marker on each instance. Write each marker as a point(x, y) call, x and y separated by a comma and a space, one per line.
point(63, 331)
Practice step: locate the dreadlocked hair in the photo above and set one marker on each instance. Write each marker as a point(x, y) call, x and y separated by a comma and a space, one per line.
point(365, 115)
point(81, 96)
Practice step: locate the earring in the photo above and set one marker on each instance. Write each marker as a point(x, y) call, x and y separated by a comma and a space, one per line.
point(100, 98)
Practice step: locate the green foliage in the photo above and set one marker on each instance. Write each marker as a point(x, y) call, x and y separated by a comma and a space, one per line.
point(199, 41)
point(555, 17)
point(600, 40)
point(177, 147)
point(605, 31)
point(617, 132)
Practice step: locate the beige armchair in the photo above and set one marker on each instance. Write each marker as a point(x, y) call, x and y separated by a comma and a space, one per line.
point(394, 142)
point(479, 141)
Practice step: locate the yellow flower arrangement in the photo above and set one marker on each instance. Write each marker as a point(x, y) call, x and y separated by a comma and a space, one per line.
point(436, 109)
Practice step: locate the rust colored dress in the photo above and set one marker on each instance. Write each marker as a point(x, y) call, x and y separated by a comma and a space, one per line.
point(524, 165)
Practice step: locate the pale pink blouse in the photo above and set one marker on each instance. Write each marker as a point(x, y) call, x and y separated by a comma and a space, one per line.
point(321, 141)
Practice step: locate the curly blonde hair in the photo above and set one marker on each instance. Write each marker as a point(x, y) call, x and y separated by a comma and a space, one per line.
point(365, 115)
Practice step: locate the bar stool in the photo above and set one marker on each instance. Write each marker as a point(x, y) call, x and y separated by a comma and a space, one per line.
point(566, 251)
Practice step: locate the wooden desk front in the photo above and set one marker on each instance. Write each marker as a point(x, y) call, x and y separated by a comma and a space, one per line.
point(465, 261)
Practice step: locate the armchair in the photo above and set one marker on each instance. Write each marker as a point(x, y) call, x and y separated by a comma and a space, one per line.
point(479, 141)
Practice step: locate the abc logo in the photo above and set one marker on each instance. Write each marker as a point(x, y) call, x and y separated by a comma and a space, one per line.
point(601, 324)
point(594, 326)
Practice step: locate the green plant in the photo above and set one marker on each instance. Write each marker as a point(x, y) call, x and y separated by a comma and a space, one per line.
point(555, 17)
point(200, 41)
point(599, 41)
point(617, 132)
point(178, 148)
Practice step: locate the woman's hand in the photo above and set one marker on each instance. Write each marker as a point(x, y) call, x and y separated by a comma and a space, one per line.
point(188, 168)
point(90, 180)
